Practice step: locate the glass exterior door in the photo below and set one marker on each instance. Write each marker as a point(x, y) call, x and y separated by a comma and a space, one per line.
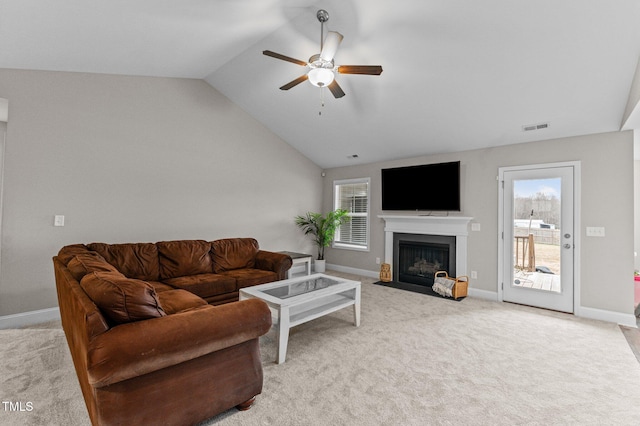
point(538, 237)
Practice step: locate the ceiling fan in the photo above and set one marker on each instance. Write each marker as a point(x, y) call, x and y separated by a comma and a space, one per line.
point(322, 70)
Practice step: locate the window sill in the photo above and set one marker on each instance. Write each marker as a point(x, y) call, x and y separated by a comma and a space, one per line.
point(349, 247)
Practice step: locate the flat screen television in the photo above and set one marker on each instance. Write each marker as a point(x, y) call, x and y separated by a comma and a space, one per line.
point(428, 187)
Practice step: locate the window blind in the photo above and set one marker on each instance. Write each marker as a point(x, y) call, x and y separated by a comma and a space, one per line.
point(354, 198)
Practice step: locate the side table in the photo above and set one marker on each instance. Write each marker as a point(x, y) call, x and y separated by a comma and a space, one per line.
point(298, 258)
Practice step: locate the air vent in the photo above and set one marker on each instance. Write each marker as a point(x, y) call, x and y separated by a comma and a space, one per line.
point(531, 127)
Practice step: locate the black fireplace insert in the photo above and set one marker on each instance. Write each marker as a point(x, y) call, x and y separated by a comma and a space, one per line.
point(418, 257)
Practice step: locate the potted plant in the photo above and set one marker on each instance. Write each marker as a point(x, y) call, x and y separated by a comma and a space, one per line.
point(323, 229)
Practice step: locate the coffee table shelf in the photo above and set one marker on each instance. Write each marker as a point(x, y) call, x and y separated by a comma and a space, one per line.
point(312, 310)
point(299, 300)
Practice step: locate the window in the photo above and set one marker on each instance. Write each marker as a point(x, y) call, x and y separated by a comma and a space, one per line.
point(352, 195)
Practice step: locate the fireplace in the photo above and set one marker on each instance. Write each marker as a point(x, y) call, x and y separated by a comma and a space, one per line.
point(431, 243)
point(418, 257)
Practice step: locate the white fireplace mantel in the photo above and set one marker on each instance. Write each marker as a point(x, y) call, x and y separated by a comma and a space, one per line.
point(456, 226)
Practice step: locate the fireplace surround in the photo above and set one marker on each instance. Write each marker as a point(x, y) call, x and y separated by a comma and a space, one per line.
point(429, 229)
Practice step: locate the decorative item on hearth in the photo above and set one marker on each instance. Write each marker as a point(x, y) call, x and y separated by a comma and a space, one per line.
point(323, 229)
point(385, 273)
point(447, 286)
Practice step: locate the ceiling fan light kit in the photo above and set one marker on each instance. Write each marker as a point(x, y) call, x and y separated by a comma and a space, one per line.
point(322, 69)
point(320, 77)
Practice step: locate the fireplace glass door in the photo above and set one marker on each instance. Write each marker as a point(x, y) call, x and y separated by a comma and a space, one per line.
point(419, 257)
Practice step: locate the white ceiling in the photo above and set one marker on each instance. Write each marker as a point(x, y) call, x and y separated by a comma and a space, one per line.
point(457, 75)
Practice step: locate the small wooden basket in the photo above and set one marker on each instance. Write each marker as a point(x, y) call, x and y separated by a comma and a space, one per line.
point(460, 287)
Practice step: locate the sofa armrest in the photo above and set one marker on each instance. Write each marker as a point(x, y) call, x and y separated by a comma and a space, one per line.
point(130, 350)
point(279, 263)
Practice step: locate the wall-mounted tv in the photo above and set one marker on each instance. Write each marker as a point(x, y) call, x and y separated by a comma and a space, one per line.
point(428, 187)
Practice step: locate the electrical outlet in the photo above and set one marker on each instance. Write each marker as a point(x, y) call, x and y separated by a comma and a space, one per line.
point(474, 275)
point(377, 260)
point(475, 226)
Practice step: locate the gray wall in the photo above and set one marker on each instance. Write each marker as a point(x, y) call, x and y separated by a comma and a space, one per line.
point(130, 159)
point(607, 200)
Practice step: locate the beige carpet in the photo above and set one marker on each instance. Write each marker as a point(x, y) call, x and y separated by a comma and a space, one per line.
point(415, 360)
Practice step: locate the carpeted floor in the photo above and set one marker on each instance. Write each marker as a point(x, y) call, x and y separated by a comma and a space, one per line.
point(415, 360)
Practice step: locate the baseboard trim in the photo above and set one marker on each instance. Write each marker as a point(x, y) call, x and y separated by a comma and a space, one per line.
point(355, 271)
point(610, 316)
point(24, 319)
point(483, 294)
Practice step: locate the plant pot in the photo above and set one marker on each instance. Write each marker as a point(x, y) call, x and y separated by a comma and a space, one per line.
point(319, 265)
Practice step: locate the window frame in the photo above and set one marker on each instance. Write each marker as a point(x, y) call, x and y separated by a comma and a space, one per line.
point(367, 215)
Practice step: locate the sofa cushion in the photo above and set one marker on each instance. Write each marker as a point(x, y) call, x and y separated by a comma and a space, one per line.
point(184, 257)
point(160, 287)
point(87, 262)
point(67, 253)
point(135, 260)
point(174, 301)
point(250, 277)
point(234, 253)
point(122, 299)
point(204, 285)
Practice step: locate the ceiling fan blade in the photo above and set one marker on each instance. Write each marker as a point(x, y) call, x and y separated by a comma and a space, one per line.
point(295, 82)
point(330, 46)
point(336, 90)
point(284, 58)
point(360, 69)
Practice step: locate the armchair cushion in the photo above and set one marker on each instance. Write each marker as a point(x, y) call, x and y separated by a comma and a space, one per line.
point(122, 299)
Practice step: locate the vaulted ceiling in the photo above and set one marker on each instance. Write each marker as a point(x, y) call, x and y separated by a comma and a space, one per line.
point(458, 75)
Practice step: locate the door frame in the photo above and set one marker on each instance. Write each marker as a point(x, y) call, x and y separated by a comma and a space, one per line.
point(577, 230)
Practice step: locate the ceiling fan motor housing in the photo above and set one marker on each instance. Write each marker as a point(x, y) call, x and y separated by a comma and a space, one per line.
point(316, 62)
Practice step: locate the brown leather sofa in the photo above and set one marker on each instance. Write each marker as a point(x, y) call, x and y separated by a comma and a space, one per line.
point(155, 330)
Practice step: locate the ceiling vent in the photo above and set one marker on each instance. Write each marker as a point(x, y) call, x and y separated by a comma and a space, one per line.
point(531, 127)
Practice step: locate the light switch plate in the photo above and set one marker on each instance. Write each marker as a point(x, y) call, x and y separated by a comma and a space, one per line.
point(475, 226)
point(595, 231)
point(58, 220)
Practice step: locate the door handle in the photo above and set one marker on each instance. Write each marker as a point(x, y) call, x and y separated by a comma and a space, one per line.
point(567, 246)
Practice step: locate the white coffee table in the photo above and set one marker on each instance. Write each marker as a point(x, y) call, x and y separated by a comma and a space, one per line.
point(298, 300)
